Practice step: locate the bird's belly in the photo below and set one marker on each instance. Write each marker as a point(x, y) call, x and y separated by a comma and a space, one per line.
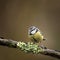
point(38, 37)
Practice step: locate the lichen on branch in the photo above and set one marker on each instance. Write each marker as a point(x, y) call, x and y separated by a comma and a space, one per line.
point(29, 47)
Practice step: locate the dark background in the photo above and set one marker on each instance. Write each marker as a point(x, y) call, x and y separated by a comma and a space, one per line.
point(16, 16)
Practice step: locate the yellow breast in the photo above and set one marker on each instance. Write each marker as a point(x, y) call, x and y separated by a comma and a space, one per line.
point(37, 37)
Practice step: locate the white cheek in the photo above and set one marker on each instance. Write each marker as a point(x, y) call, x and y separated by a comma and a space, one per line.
point(33, 32)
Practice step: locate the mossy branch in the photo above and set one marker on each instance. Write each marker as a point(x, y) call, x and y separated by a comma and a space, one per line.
point(30, 48)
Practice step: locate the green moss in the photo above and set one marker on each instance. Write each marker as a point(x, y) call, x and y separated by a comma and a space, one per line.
point(29, 47)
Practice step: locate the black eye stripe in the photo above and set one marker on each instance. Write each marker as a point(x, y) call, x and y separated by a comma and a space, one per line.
point(33, 28)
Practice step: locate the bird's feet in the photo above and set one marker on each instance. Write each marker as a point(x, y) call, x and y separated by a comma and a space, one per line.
point(43, 47)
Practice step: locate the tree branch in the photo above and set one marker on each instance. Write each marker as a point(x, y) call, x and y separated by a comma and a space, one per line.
point(30, 48)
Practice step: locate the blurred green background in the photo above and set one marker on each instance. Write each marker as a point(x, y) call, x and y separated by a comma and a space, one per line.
point(16, 16)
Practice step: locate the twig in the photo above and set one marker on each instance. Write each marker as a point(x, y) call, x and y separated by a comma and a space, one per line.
point(8, 43)
point(30, 47)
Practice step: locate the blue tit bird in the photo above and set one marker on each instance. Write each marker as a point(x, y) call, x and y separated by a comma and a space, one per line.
point(35, 34)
